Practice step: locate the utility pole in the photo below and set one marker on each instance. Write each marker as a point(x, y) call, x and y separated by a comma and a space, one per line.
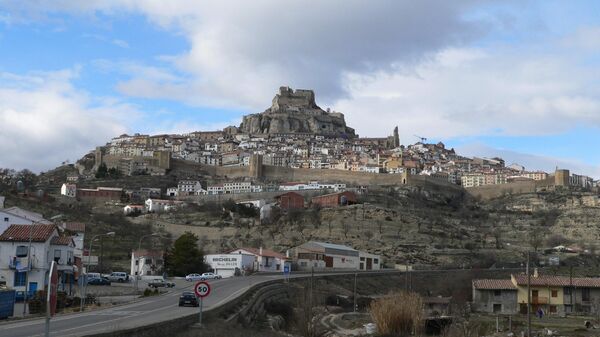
point(528, 298)
point(26, 299)
point(355, 277)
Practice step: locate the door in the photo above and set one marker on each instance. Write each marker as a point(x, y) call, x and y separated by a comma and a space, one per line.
point(328, 261)
point(369, 263)
point(534, 296)
point(32, 288)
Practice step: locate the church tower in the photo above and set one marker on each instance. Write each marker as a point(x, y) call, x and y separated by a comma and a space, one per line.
point(396, 137)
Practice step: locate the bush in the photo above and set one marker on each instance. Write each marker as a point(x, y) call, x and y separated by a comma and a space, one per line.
point(398, 314)
point(147, 292)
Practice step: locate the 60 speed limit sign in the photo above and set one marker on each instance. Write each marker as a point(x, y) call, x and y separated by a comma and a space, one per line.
point(202, 289)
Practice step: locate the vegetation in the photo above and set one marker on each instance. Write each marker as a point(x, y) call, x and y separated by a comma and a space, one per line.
point(185, 257)
point(398, 314)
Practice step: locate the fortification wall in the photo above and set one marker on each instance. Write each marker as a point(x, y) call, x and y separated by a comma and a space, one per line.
point(517, 187)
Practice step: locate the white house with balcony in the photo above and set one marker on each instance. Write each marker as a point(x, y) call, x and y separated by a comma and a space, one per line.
point(19, 216)
point(26, 252)
point(147, 262)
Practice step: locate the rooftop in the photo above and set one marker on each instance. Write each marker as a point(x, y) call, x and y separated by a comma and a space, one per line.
point(23, 233)
point(494, 284)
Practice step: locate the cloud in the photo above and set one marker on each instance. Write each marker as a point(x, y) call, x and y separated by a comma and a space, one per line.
point(530, 161)
point(242, 51)
point(45, 120)
point(120, 43)
point(477, 91)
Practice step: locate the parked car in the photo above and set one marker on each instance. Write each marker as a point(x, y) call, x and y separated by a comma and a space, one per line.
point(118, 276)
point(193, 277)
point(158, 283)
point(210, 276)
point(188, 298)
point(98, 281)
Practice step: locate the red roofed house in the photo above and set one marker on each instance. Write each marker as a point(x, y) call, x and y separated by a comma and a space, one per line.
point(555, 295)
point(290, 200)
point(265, 259)
point(26, 252)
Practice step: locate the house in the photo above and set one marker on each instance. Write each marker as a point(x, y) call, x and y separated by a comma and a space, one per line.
point(555, 295)
point(227, 265)
point(68, 190)
point(172, 192)
point(321, 255)
point(188, 187)
point(335, 199)
point(16, 215)
point(494, 296)
point(134, 209)
point(265, 259)
point(147, 262)
point(26, 252)
point(160, 205)
point(290, 200)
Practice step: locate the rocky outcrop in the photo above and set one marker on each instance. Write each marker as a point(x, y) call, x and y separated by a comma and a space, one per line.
point(296, 112)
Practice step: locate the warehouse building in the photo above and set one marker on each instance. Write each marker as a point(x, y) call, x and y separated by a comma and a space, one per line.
point(323, 255)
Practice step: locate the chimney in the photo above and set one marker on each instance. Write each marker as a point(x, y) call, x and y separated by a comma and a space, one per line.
point(535, 272)
point(260, 251)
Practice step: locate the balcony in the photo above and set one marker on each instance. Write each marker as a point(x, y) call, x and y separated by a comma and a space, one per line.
point(539, 300)
point(19, 263)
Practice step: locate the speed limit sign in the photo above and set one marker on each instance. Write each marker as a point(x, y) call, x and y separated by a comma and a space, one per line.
point(202, 289)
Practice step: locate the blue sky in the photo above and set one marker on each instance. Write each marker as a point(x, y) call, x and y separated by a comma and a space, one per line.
point(512, 78)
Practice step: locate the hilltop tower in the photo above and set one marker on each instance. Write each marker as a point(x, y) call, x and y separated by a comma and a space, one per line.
point(396, 137)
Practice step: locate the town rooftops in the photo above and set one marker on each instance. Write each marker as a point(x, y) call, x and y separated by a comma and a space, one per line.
point(256, 251)
point(62, 241)
point(557, 281)
point(494, 284)
point(22, 233)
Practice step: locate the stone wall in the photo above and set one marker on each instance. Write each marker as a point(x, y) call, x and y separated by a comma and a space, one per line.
point(518, 187)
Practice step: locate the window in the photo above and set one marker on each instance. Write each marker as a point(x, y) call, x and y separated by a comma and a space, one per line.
point(303, 264)
point(376, 261)
point(21, 251)
point(585, 294)
point(159, 261)
point(20, 279)
point(362, 258)
point(56, 255)
point(6, 219)
point(567, 291)
point(137, 262)
point(148, 261)
point(552, 309)
point(497, 293)
point(554, 293)
point(497, 307)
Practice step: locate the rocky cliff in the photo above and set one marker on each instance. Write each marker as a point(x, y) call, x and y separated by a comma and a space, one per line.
point(296, 112)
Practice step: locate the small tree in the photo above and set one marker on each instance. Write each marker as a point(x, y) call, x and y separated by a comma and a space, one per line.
point(535, 238)
point(102, 171)
point(185, 257)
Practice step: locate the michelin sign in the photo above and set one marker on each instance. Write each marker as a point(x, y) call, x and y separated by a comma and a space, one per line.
point(227, 264)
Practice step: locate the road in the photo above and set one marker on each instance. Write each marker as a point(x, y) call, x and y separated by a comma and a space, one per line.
point(144, 312)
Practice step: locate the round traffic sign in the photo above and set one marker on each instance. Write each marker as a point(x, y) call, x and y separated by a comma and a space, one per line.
point(202, 289)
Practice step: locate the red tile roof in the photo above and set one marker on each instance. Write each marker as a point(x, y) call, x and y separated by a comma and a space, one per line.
point(558, 281)
point(22, 233)
point(266, 252)
point(494, 284)
point(78, 227)
point(62, 241)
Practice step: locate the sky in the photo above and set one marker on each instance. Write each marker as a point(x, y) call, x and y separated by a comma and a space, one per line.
point(516, 79)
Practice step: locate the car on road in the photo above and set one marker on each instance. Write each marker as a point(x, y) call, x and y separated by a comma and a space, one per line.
point(210, 276)
point(188, 298)
point(98, 281)
point(118, 276)
point(193, 277)
point(160, 283)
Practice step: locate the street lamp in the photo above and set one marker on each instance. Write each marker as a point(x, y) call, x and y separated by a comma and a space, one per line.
point(84, 286)
point(137, 259)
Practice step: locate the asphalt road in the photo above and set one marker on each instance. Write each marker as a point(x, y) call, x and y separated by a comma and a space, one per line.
point(144, 312)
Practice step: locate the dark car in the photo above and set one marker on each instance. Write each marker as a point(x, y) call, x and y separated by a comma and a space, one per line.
point(99, 281)
point(157, 283)
point(188, 298)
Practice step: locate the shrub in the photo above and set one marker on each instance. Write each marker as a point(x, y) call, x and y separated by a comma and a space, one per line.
point(147, 292)
point(398, 314)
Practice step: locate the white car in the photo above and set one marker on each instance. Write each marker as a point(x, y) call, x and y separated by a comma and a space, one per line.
point(193, 277)
point(210, 276)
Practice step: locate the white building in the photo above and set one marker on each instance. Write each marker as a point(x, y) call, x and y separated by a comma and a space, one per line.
point(77, 232)
point(147, 262)
point(160, 205)
point(68, 190)
point(237, 187)
point(26, 267)
point(188, 187)
point(172, 191)
point(18, 216)
point(215, 189)
point(133, 209)
point(265, 259)
point(228, 265)
point(322, 255)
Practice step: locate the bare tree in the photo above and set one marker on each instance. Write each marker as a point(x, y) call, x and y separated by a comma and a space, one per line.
point(346, 228)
